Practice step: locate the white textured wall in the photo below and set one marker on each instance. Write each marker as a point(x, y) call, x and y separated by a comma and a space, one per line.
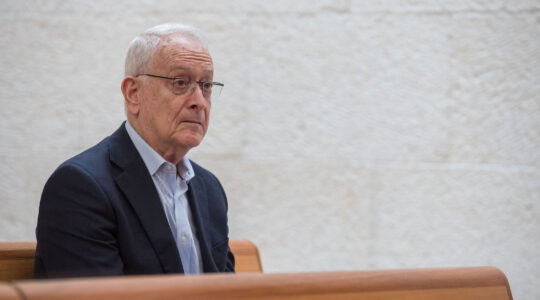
point(350, 134)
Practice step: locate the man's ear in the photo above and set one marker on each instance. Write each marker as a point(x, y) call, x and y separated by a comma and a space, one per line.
point(131, 88)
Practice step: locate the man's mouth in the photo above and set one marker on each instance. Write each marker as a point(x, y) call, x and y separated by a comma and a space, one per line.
point(192, 121)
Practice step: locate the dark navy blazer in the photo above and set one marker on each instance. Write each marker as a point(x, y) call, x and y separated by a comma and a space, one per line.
point(100, 214)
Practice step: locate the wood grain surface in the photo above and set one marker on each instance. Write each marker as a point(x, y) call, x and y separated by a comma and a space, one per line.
point(246, 255)
point(455, 283)
point(8, 292)
point(17, 258)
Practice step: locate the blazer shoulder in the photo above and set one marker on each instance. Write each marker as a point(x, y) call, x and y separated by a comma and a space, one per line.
point(92, 160)
point(98, 158)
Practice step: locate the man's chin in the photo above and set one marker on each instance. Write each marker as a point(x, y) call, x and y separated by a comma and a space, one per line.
point(190, 141)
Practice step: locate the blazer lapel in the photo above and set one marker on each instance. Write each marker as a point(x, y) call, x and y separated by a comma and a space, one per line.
point(137, 185)
point(199, 210)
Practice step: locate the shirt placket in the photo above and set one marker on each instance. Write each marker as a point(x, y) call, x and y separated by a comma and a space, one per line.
point(177, 213)
point(185, 236)
point(166, 181)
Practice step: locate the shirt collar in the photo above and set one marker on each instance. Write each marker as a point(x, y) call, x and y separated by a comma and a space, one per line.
point(153, 160)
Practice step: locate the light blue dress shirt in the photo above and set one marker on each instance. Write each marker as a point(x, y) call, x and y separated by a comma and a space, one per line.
point(171, 183)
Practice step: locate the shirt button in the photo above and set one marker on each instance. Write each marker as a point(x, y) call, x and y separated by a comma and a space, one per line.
point(169, 167)
point(184, 239)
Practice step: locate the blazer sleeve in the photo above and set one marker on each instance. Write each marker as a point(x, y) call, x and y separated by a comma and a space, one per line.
point(76, 227)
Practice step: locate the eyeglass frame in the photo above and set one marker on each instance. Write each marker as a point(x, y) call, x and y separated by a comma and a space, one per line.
point(198, 82)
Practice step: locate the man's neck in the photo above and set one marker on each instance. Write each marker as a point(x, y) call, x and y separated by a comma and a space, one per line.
point(170, 154)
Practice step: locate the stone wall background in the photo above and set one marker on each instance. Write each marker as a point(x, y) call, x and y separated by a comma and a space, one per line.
point(350, 134)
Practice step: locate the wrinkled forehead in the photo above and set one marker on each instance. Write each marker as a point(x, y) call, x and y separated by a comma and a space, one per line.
point(180, 51)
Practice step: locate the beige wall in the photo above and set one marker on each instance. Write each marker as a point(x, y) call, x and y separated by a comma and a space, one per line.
point(349, 135)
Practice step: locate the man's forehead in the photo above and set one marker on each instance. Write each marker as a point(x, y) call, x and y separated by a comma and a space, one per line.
point(209, 70)
point(174, 49)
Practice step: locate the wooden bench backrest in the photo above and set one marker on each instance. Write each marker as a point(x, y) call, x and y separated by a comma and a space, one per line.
point(17, 259)
point(429, 284)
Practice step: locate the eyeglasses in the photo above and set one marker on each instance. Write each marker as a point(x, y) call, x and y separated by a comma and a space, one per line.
point(183, 85)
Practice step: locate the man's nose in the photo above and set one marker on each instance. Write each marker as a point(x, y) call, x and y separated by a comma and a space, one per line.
point(196, 97)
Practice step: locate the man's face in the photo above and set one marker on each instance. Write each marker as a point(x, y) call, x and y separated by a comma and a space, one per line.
point(172, 123)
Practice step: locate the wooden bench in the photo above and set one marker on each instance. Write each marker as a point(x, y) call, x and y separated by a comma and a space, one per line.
point(17, 258)
point(480, 283)
point(16, 262)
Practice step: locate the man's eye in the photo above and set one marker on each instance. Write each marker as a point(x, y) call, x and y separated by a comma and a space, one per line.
point(180, 83)
point(207, 85)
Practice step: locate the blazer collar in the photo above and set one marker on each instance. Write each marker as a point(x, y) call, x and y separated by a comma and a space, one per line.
point(137, 185)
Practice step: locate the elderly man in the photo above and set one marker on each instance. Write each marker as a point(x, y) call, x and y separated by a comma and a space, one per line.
point(134, 203)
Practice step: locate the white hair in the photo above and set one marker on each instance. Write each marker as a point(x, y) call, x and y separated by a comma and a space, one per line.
point(143, 46)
